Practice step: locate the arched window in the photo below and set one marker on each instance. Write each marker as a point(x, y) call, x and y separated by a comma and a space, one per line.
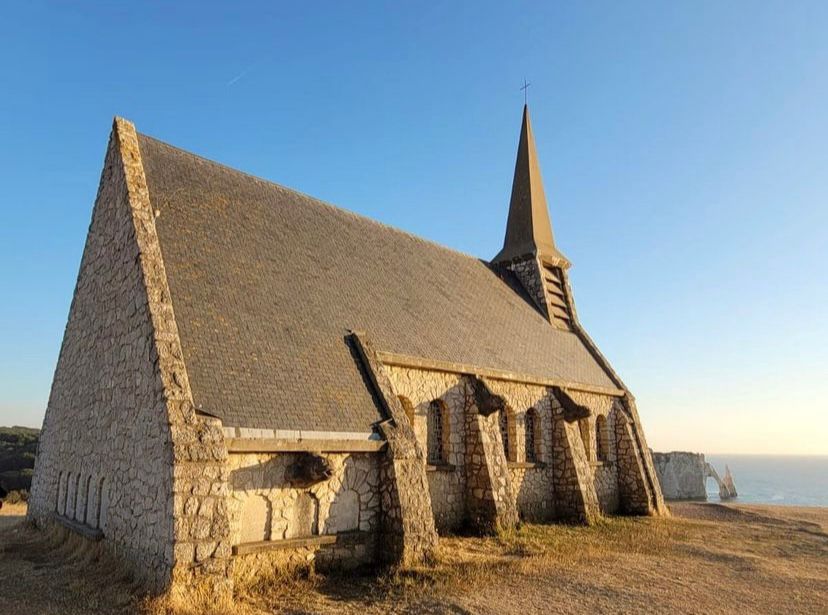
point(437, 437)
point(530, 424)
point(601, 438)
point(506, 421)
point(408, 407)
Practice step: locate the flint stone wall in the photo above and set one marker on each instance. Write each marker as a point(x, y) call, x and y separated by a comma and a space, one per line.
point(446, 484)
point(263, 506)
point(604, 473)
point(582, 479)
point(106, 421)
point(120, 431)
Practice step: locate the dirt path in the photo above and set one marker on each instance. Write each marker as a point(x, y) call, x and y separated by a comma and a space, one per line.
point(708, 558)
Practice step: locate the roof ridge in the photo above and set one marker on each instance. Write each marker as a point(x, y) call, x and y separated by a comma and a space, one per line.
point(318, 201)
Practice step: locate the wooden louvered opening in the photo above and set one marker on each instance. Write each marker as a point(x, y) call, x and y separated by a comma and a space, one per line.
point(556, 297)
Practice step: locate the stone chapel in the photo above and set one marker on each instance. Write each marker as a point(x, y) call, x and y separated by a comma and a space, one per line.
point(248, 373)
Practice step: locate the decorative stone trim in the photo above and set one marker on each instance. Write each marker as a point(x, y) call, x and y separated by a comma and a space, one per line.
point(401, 360)
point(525, 465)
point(246, 445)
point(441, 467)
point(249, 433)
point(601, 464)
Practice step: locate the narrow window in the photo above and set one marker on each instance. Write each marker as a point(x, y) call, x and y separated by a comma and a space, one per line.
point(530, 425)
point(602, 438)
point(437, 432)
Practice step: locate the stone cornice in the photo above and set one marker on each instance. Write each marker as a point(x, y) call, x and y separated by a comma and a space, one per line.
point(401, 360)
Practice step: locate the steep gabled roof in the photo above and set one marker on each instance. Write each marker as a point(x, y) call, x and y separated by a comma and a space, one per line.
point(266, 283)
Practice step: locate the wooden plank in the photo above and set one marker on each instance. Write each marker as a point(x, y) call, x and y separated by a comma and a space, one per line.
point(290, 543)
point(279, 445)
point(351, 537)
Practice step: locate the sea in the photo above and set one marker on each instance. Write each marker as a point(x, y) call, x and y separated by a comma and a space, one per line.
point(789, 480)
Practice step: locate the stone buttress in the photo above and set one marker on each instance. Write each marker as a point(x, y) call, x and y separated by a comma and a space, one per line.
point(407, 526)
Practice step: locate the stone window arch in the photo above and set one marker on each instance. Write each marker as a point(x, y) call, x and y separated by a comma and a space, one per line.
point(506, 422)
point(408, 407)
point(437, 436)
point(601, 438)
point(531, 435)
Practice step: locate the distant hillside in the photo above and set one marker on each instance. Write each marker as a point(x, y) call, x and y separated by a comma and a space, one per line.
point(18, 446)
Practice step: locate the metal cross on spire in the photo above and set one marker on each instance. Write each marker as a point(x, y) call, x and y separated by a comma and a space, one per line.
point(525, 89)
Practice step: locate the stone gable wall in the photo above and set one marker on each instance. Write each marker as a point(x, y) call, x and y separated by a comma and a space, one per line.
point(106, 421)
point(120, 422)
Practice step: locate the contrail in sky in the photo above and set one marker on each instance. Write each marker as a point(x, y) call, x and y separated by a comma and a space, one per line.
point(239, 76)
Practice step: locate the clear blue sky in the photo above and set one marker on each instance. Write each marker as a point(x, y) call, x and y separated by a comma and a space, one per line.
point(684, 147)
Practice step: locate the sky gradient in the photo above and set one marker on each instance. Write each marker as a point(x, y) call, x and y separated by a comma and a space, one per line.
point(684, 149)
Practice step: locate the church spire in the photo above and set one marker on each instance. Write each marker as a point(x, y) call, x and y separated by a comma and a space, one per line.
point(529, 231)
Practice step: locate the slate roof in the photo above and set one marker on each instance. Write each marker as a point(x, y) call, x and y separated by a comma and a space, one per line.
point(266, 282)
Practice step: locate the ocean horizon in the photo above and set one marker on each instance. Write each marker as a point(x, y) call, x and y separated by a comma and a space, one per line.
point(789, 480)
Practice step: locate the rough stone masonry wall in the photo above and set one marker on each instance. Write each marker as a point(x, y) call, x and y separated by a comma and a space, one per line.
point(533, 485)
point(491, 504)
point(120, 433)
point(105, 426)
point(604, 473)
point(447, 484)
point(576, 499)
point(528, 271)
point(265, 507)
point(407, 531)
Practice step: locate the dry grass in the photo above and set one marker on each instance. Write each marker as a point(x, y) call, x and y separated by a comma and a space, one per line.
point(707, 558)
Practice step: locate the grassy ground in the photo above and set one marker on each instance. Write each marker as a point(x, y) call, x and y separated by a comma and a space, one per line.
point(706, 559)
